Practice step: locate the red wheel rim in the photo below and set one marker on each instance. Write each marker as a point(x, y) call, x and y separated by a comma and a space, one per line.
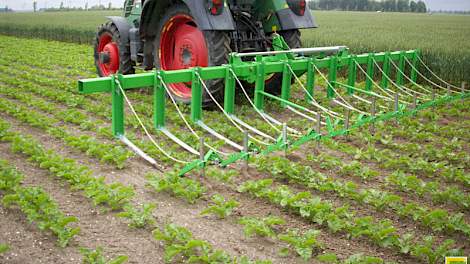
point(182, 46)
point(108, 53)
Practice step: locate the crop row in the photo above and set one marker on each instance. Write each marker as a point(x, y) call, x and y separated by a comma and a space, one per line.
point(114, 195)
point(115, 155)
point(341, 219)
point(36, 204)
point(408, 183)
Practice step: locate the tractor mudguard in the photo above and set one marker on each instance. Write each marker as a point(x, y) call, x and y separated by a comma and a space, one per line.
point(123, 28)
point(207, 21)
point(153, 10)
point(276, 15)
point(288, 20)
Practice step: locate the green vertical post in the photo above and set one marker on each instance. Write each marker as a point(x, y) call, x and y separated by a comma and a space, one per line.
point(414, 62)
point(196, 96)
point(401, 67)
point(286, 83)
point(310, 79)
point(118, 107)
point(386, 71)
point(158, 101)
point(370, 72)
point(229, 94)
point(352, 74)
point(332, 76)
point(259, 86)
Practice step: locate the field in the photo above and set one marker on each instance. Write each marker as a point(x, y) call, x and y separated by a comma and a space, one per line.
point(71, 193)
point(443, 39)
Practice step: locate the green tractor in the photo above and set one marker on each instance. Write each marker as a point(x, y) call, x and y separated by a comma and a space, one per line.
point(172, 35)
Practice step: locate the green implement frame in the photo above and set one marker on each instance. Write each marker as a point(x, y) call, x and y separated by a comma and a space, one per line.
point(311, 62)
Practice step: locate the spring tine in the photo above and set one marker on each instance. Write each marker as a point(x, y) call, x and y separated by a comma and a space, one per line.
point(346, 122)
point(318, 127)
point(372, 124)
point(463, 87)
point(201, 155)
point(396, 102)
point(245, 147)
point(284, 137)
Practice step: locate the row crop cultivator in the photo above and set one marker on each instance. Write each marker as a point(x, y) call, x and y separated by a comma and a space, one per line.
point(390, 90)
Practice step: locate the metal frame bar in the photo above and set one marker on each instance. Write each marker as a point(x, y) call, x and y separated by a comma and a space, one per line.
point(265, 63)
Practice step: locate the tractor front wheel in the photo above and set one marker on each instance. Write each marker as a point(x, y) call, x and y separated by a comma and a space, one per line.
point(110, 58)
point(181, 45)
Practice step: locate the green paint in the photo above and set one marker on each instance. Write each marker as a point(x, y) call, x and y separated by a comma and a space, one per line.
point(196, 96)
point(286, 83)
point(159, 95)
point(118, 107)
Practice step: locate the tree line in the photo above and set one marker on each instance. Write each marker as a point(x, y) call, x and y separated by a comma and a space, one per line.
point(370, 5)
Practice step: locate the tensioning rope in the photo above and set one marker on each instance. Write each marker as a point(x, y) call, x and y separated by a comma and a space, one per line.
point(269, 119)
point(251, 102)
point(314, 102)
point(225, 113)
point(392, 82)
point(409, 79)
point(144, 128)
point(435, 75)
point(185, 121)
point(347, 105)
point(426, 78)
point(388, 97)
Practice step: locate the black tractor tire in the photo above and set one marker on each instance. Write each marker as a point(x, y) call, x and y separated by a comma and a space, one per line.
point(292, 38)
point(126, 65)
point(218, 44)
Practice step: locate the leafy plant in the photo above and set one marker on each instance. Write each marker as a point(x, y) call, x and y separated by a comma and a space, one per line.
point(95, 256)
point(434, 255)
point(361, 259)
point(40, 209)
point(328, 258)
point(178, 186)
point(180, 244)
point(4, 248)
point(139, 218)
point(303, 244)
point(221, 208)
point(9, 177)
point(261, 227)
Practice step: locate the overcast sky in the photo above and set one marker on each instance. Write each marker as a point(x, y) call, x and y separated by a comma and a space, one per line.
point(23, 4)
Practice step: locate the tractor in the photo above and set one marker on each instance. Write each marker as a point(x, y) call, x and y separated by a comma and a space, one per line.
point(181, 34)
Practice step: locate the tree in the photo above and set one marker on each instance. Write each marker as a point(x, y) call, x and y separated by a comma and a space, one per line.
point(402, 5)
point(413, 6)
point(110, 6)
point(61, 5)
point(421, 7)
point(86, 6)
point(35, 6)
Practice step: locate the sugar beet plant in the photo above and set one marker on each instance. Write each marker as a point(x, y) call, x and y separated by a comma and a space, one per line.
point(36, 204)
point(114, 195)
point(95, 256)
point(220, 207)
point(181, 246)
point(340, 219)
point(182, 187)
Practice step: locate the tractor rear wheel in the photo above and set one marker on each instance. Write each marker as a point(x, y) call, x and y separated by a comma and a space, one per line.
point(110, 58)
point(181, 45)
point(273, 84)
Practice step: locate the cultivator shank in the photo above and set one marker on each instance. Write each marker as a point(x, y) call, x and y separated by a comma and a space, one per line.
point(390, 90)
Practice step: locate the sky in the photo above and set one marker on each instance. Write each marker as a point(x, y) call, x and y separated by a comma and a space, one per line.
point(27, 4)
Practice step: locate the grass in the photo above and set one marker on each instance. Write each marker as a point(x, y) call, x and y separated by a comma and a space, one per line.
point(443, 39)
